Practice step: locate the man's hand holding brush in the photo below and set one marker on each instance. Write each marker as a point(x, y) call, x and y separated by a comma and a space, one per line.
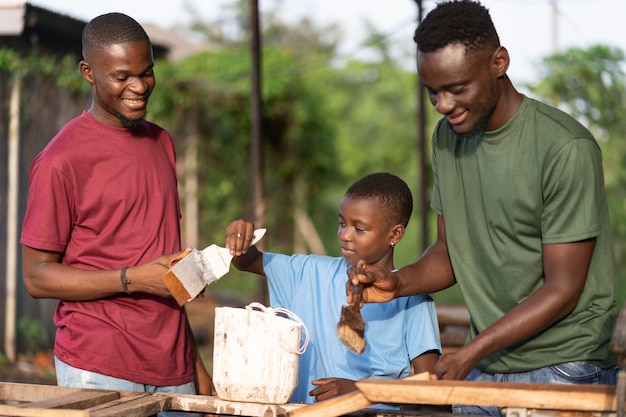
point(379, 286)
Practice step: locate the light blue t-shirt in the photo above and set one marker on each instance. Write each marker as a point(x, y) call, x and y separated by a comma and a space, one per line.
point(314, 288)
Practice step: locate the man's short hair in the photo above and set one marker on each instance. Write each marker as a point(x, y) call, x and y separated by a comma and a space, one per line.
point(459, 21)
point(109, 29)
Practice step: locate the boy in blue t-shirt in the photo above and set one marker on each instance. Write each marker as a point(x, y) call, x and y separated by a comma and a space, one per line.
point(402, 336)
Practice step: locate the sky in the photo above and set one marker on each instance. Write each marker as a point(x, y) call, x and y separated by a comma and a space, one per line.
point(529, 29)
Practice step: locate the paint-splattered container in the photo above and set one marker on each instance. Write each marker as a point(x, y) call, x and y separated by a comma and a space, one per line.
point(256, 353)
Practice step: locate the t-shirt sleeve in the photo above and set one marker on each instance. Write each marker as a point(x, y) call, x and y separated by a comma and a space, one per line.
point(49, 213)
point(421, 326)
point(573, 193)
point(283, 273)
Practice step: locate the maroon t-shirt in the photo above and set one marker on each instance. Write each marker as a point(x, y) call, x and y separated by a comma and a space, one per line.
point(107, 197)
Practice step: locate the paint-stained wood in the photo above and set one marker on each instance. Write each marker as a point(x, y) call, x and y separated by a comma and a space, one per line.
point(30, 400)
point(215, 405)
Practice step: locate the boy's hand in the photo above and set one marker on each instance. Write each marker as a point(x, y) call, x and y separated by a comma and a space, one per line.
point(239, 234)
point(332, 387)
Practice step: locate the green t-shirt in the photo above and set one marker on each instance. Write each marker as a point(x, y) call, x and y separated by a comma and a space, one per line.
point(537, 180)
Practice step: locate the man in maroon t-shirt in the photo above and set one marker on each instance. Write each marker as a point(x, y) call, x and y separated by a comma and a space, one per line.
point(103, 209)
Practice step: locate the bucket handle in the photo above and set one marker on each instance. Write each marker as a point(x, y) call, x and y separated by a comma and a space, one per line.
point(290, 314)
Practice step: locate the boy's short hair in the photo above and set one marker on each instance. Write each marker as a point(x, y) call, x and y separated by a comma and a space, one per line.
point(109, 29)
point(390, 191)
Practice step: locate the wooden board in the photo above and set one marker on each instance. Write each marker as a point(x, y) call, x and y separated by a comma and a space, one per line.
point(76, 400)
point(344, 404)
point(334, 407)
point(215, 405)
point(31, 400)
point(452, 315)
point(6, 410)
point(541, 396)
point(141, 405)
point(14, 391)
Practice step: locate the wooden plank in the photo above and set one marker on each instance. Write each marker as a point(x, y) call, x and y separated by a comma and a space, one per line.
point(449, 339)
point(346, 403)
point(76, 400)
point(334, 407)
point(215, 405)
point(39, 401)
point(452, 315)
point(541, 396)
point(12, 391)
point(140, 405)
point(7, 410)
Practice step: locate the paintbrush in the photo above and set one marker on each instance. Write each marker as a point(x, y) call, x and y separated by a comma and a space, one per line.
point(351, 326)
point(189, 275)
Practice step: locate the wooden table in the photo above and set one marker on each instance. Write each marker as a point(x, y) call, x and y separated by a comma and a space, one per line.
point(30, 400)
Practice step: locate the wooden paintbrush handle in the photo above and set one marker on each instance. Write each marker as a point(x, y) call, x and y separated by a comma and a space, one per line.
point(357, 296)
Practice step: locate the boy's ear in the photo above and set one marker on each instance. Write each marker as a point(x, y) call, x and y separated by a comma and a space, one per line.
point(397, 233)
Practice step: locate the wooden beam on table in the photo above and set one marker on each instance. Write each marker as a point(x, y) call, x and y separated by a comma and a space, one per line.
point(13, 391)
point(76, 400)
point(129, 406)
point(541, 396)
point(346, 403)
point(139, 405)
point(333, 407)
point(215, 405)
point(7, 410)
point(54, 401)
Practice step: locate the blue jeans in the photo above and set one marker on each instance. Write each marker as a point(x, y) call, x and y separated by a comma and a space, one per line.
point(564, 373)
point(68, 376)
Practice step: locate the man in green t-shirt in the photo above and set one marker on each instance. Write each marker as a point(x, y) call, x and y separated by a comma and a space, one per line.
point(522, 219)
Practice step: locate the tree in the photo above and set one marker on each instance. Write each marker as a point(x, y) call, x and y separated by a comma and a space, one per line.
point(324, 126)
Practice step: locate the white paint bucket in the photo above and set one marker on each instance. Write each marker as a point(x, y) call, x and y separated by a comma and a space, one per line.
point(256, 353)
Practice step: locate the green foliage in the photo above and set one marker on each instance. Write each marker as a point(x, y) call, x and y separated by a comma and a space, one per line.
point(10, 61)
point(589, 83)
point(323, 127)
point(208, 95)
point(61, 71)
point(34, 333)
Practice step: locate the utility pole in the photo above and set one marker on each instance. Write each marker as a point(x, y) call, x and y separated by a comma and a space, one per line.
point(555, 26)
point(10, 314)
point(555, 41)
point(255, 114)
point(421, 147)
point(255, 130)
